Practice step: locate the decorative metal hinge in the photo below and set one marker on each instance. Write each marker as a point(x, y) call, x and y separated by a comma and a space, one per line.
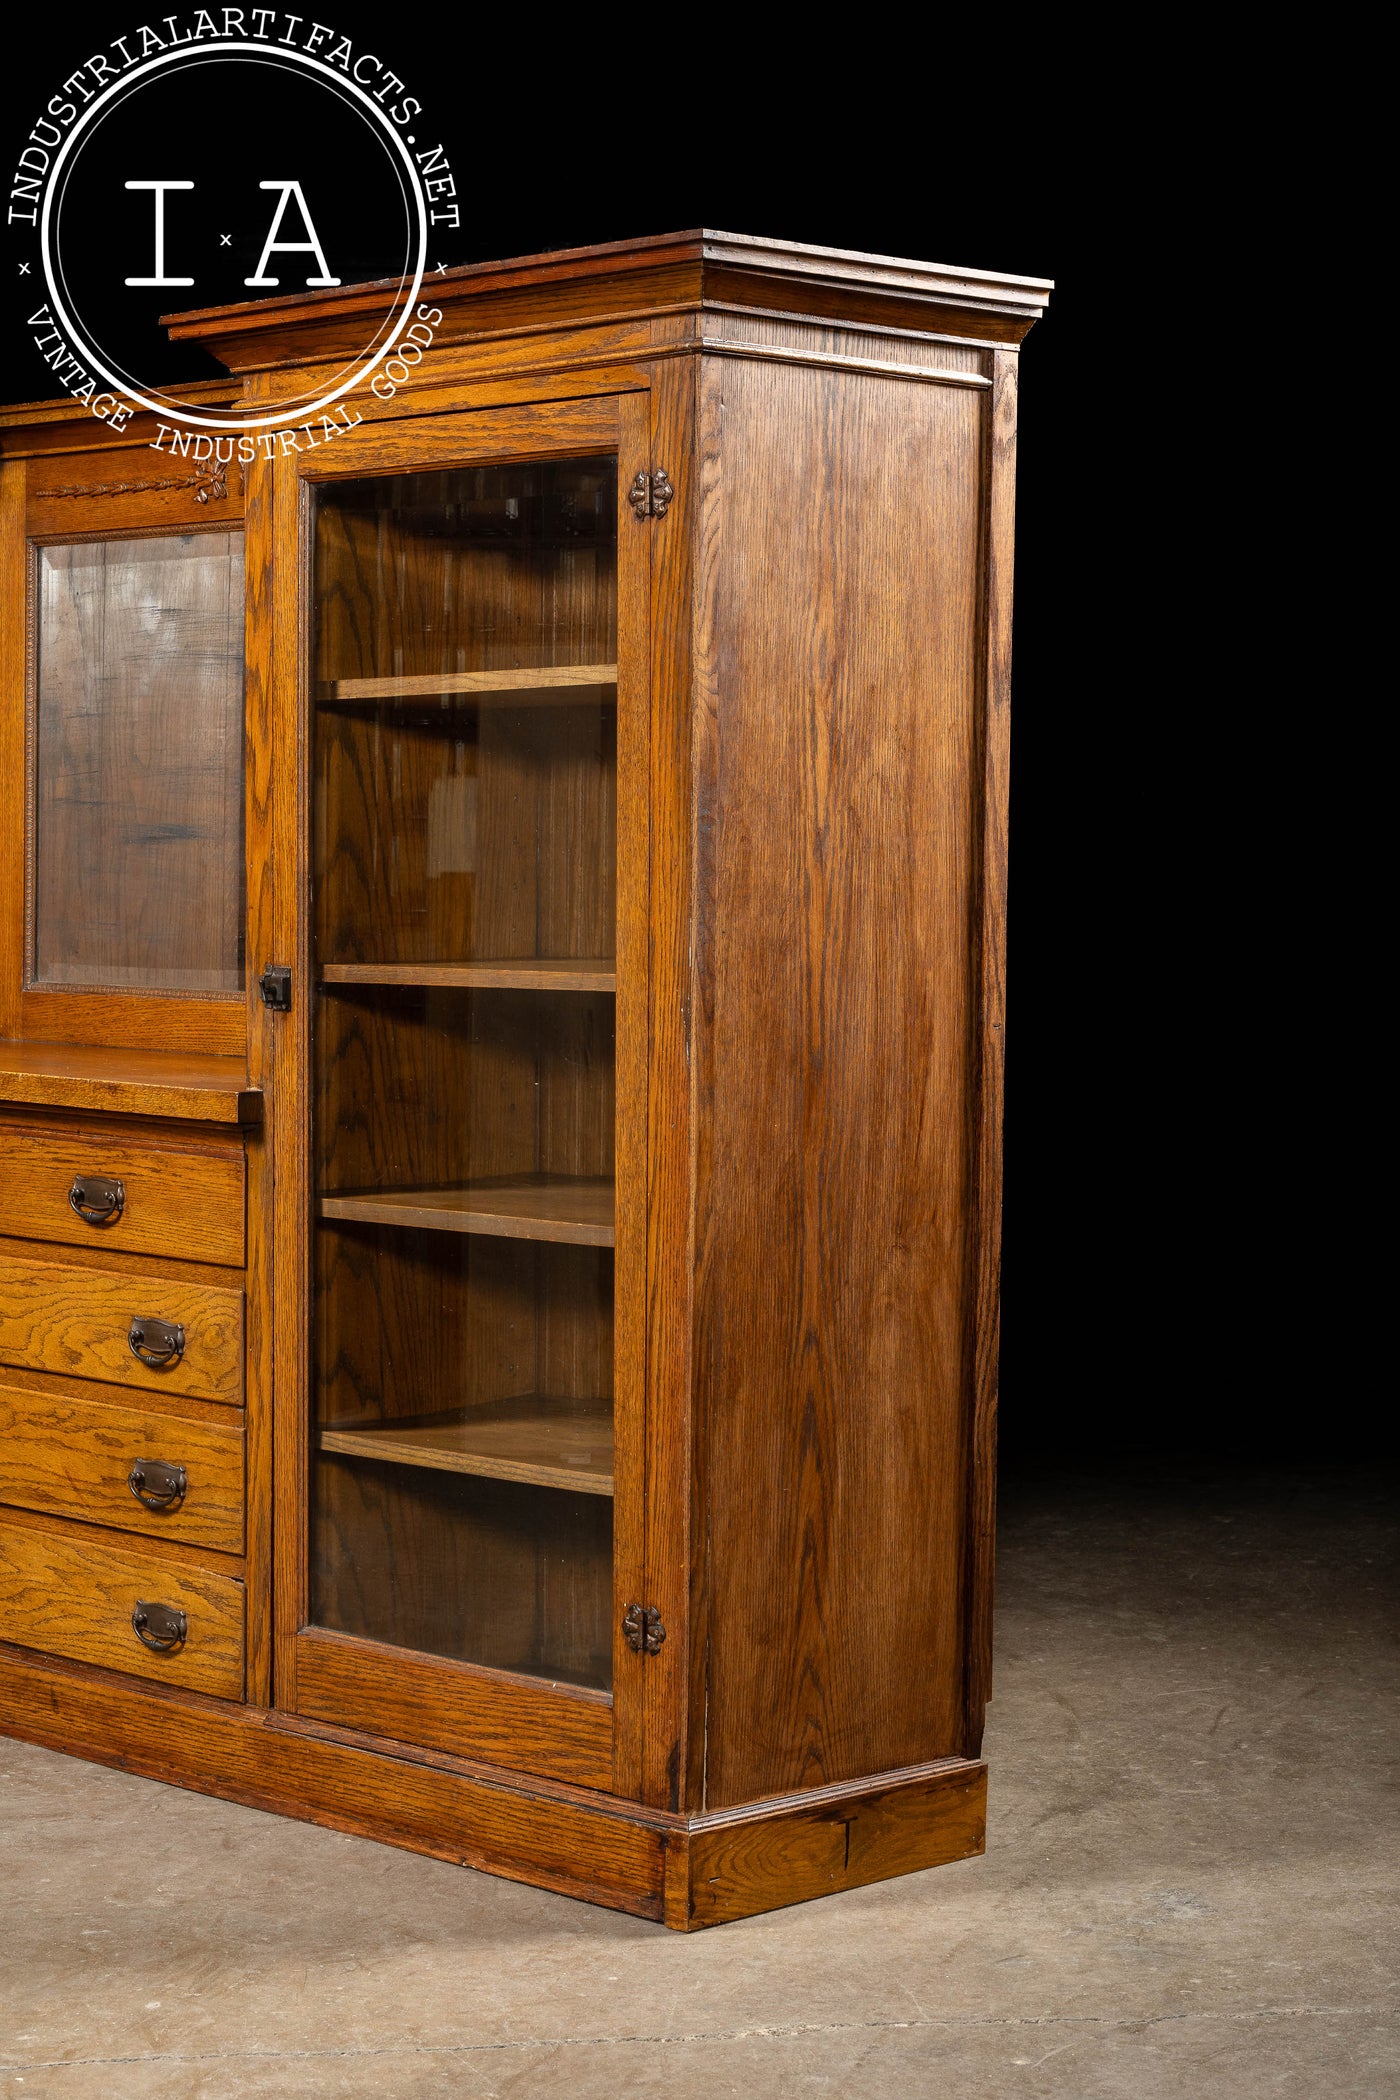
point(642, 1628)
point(651, 495)
point(275, 984)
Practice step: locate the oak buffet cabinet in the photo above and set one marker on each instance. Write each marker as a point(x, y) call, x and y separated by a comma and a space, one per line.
point(501, 979)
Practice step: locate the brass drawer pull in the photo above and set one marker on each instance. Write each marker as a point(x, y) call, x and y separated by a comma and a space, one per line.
point(160, 1626)
point(155, 1484)
point(97, 1198)
point(156, 1342)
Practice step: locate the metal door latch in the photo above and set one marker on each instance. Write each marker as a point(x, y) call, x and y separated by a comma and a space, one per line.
point(275, 984)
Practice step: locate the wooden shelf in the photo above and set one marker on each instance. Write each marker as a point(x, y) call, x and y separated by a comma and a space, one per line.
point(574, 1209)
point(129, 1082)
point(548, 687)
point(517, 973)
point(540, 1441)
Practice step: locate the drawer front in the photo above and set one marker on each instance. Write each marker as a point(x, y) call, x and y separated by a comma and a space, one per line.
point(177, 1200)
point(74, 1595)
point(123, 1466)
point(79, 1322)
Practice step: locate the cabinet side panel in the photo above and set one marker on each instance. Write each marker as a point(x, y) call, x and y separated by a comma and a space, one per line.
point(836, 803)
point(984, 1238)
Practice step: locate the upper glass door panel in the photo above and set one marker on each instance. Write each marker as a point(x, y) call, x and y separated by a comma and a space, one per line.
point(137, 795)
point(465, 912)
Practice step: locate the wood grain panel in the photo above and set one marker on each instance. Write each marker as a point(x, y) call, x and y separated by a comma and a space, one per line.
point(558, 363)
point(836, 826)
point(779, 331)
point(118, 489)
point(263, 1026)
point(71, 1457)
point(672, 1688)
point(542, 428)
point(214, 1028)
point(282, 621)
point(72, 1592)
point(179, 1201)
point(63, 424)
point(490, 1716)
point(538, 379)
point(855, 306)
point(14, 673)
point(631, 855)
point(842, 1839)
point(61, 1317)
point(984, 1221)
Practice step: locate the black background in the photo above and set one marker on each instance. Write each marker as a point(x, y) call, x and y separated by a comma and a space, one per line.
point(1186, 1042)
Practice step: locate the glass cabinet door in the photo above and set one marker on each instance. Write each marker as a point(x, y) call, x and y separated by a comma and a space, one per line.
point(137, 880)
point(464, 814)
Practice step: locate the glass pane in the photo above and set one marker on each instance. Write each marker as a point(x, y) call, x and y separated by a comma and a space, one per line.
point(465, 848)
point(138, 788)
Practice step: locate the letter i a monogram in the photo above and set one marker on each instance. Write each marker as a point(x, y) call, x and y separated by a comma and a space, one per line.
point(272, 246)
point(160, 189)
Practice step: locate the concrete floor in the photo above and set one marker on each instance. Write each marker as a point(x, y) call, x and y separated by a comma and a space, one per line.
point(1190, 1888)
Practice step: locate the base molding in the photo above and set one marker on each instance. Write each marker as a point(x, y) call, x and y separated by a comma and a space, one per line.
point(687, 1872)
point(769, 1854)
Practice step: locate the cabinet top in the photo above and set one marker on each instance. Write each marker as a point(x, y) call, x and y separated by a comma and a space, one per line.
point(666, 272)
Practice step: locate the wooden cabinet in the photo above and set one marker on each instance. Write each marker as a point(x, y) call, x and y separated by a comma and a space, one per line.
point(565, 1297)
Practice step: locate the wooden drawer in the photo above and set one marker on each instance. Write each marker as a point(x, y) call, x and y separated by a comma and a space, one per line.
point(71, 1457)
point(71, 1593)
point(77, 1321)
point(183, 1200)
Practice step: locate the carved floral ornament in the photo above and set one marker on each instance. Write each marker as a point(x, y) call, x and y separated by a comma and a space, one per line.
point(210, 485)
